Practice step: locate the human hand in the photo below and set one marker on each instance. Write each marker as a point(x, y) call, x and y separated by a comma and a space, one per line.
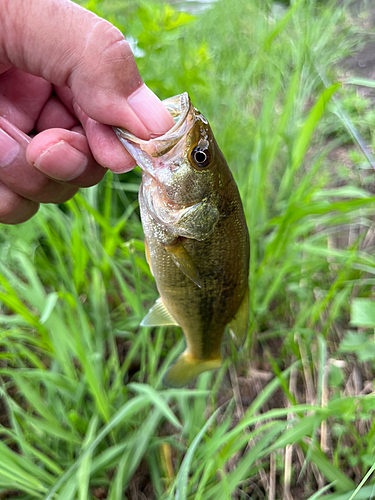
point(65, 76)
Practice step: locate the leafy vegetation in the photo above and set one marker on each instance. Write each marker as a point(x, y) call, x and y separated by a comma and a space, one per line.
point(83, 413)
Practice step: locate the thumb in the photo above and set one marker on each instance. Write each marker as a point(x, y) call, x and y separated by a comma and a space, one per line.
point(70, 46)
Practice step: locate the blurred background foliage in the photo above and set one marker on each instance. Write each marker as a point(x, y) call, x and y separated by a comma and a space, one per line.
point(83, 413)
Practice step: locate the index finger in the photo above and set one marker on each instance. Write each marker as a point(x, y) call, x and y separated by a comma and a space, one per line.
point(105, 147)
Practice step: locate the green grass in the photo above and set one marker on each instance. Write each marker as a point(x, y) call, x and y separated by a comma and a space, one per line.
point(83, 412)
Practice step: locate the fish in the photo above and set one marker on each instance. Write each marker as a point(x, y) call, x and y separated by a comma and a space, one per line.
point(196, 238)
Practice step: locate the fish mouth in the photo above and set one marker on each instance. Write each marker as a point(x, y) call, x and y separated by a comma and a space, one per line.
point(181, 109)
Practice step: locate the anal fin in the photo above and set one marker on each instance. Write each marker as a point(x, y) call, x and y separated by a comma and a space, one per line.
point(158, 315)
point(183, 261)
point(239, 325)
point(187, 368)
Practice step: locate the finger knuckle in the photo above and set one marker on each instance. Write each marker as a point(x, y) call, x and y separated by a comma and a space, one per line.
point(115, 50)
point(105, 41)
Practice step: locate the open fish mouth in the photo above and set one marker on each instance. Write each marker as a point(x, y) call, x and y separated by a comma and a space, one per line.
point(181, 109)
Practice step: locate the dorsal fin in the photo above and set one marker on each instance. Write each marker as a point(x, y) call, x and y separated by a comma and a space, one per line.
point(158, 315)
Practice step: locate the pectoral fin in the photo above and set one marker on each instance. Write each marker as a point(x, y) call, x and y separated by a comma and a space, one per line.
point(240, 323)
point(183, 261)
point(187, 368)
point(158, 315)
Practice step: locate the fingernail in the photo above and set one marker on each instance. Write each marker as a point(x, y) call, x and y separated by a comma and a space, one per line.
point(9, 149)
point(62, 162)
point(149, 108)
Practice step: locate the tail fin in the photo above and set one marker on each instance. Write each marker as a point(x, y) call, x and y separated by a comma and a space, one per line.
point(187, 368)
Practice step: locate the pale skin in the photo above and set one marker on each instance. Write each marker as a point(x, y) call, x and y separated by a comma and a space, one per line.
point(66, 76)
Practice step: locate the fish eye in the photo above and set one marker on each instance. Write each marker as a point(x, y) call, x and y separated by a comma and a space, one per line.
point(201, 157)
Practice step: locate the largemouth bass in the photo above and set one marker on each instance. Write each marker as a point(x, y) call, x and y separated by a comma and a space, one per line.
point(197, 242)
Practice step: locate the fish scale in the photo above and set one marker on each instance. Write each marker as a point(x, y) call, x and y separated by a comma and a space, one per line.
point(196, 236)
